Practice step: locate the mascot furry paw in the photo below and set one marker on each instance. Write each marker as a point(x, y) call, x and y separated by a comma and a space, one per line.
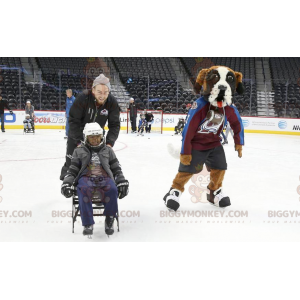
point(200, 139)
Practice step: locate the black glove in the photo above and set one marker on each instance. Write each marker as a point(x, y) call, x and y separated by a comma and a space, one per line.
point(66, 190)
point(123, 189)
point(11, 112)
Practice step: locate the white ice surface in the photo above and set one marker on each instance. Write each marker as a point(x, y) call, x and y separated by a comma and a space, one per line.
point(265, 178)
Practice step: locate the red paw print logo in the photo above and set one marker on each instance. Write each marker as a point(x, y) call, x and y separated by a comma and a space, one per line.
point(199, 189)
point(1, 187)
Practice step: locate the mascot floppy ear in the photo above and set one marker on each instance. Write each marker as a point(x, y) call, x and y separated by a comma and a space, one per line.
point(239, 84)
point(200, 80)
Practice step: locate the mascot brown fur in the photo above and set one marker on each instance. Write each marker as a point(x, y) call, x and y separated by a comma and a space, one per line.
point(201, 136)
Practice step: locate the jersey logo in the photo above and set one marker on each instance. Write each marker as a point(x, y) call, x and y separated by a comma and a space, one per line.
point(104, 112)
point(212, 126)
point(194, 106)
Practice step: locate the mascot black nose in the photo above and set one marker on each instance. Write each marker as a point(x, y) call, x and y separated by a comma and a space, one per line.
point(222, 87)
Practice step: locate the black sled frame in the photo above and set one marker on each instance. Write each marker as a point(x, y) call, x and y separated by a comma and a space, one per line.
point(97, 205)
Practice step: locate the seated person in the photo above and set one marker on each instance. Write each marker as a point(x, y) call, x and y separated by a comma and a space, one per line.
point(28, 123)
point(180, 126)
point(29, 109)
point(95, 171)
point(142, 124)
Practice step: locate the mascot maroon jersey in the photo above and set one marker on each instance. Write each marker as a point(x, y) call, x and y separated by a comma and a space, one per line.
point(205, 123)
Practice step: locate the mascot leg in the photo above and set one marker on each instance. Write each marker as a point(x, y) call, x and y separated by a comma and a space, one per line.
point(216, 197)
point(171, 199)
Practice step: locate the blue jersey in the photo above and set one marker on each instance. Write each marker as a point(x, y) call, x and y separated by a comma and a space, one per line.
point(142, 122)
point(69, 103)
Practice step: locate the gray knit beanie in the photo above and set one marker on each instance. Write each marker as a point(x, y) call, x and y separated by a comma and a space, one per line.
point(101, 79)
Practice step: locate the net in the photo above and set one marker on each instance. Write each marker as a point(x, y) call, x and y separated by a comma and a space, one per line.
point(156, 124)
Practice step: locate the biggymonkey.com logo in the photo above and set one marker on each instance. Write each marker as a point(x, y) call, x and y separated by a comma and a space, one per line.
point(198, 189)
point(1, 187)
point(298, 189)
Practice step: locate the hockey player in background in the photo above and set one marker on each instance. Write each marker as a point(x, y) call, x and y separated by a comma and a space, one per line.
point(3, 104)
point(142, 125)
point(69, 102)
point(180, 126)
point(228, 129)
point(133, 108)
point(95, 170)
point(149, 119)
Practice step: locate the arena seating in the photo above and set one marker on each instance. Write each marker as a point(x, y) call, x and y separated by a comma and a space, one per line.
point(285, 69)
point(286, 81)
point(162, 83)
point(9, 81)
point(287, 100)
point(72, 65)
point(162, 78)
point(244, 65)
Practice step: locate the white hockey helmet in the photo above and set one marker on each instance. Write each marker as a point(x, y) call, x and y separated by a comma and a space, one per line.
point(92, 129)
point(27, 116)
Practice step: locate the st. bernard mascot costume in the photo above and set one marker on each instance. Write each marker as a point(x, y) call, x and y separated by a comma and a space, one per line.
point(201, 135)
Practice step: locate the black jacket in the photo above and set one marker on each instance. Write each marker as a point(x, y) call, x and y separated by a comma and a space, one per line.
point(149, 117)
point(3, 104)
point(133, 110)
point(84, 111)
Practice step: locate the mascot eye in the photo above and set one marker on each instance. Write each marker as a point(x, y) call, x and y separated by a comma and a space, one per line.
point(215, 78)
point(230, 79)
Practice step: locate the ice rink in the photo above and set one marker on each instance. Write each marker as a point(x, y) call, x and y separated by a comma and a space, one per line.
point(263, 187)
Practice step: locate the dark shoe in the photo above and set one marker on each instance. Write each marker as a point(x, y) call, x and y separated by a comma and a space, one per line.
point(88, 230)
point(218, 198)
point(3, 130)
point(109, 225)
point(172, 199)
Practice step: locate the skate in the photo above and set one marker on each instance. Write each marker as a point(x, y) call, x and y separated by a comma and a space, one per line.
point(109, 225)
point(138, 134)
point(142, 134)
point(88, 230)
point(225, 142)
point(65, 137)
point(171, 199)
point(217, 198)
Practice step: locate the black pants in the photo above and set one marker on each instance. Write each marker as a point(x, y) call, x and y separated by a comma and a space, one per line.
point(213, 158)
point(71, 145)
point(148, 128)
point(2, 121)
point(178, 129)
point(133, 123)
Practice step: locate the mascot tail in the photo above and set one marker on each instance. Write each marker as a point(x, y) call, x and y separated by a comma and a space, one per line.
point(174, 151)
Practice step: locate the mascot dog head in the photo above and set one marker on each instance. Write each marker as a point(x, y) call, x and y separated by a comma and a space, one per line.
point(219, 84)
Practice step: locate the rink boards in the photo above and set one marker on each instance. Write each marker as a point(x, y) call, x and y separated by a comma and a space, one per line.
point(57, 120)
